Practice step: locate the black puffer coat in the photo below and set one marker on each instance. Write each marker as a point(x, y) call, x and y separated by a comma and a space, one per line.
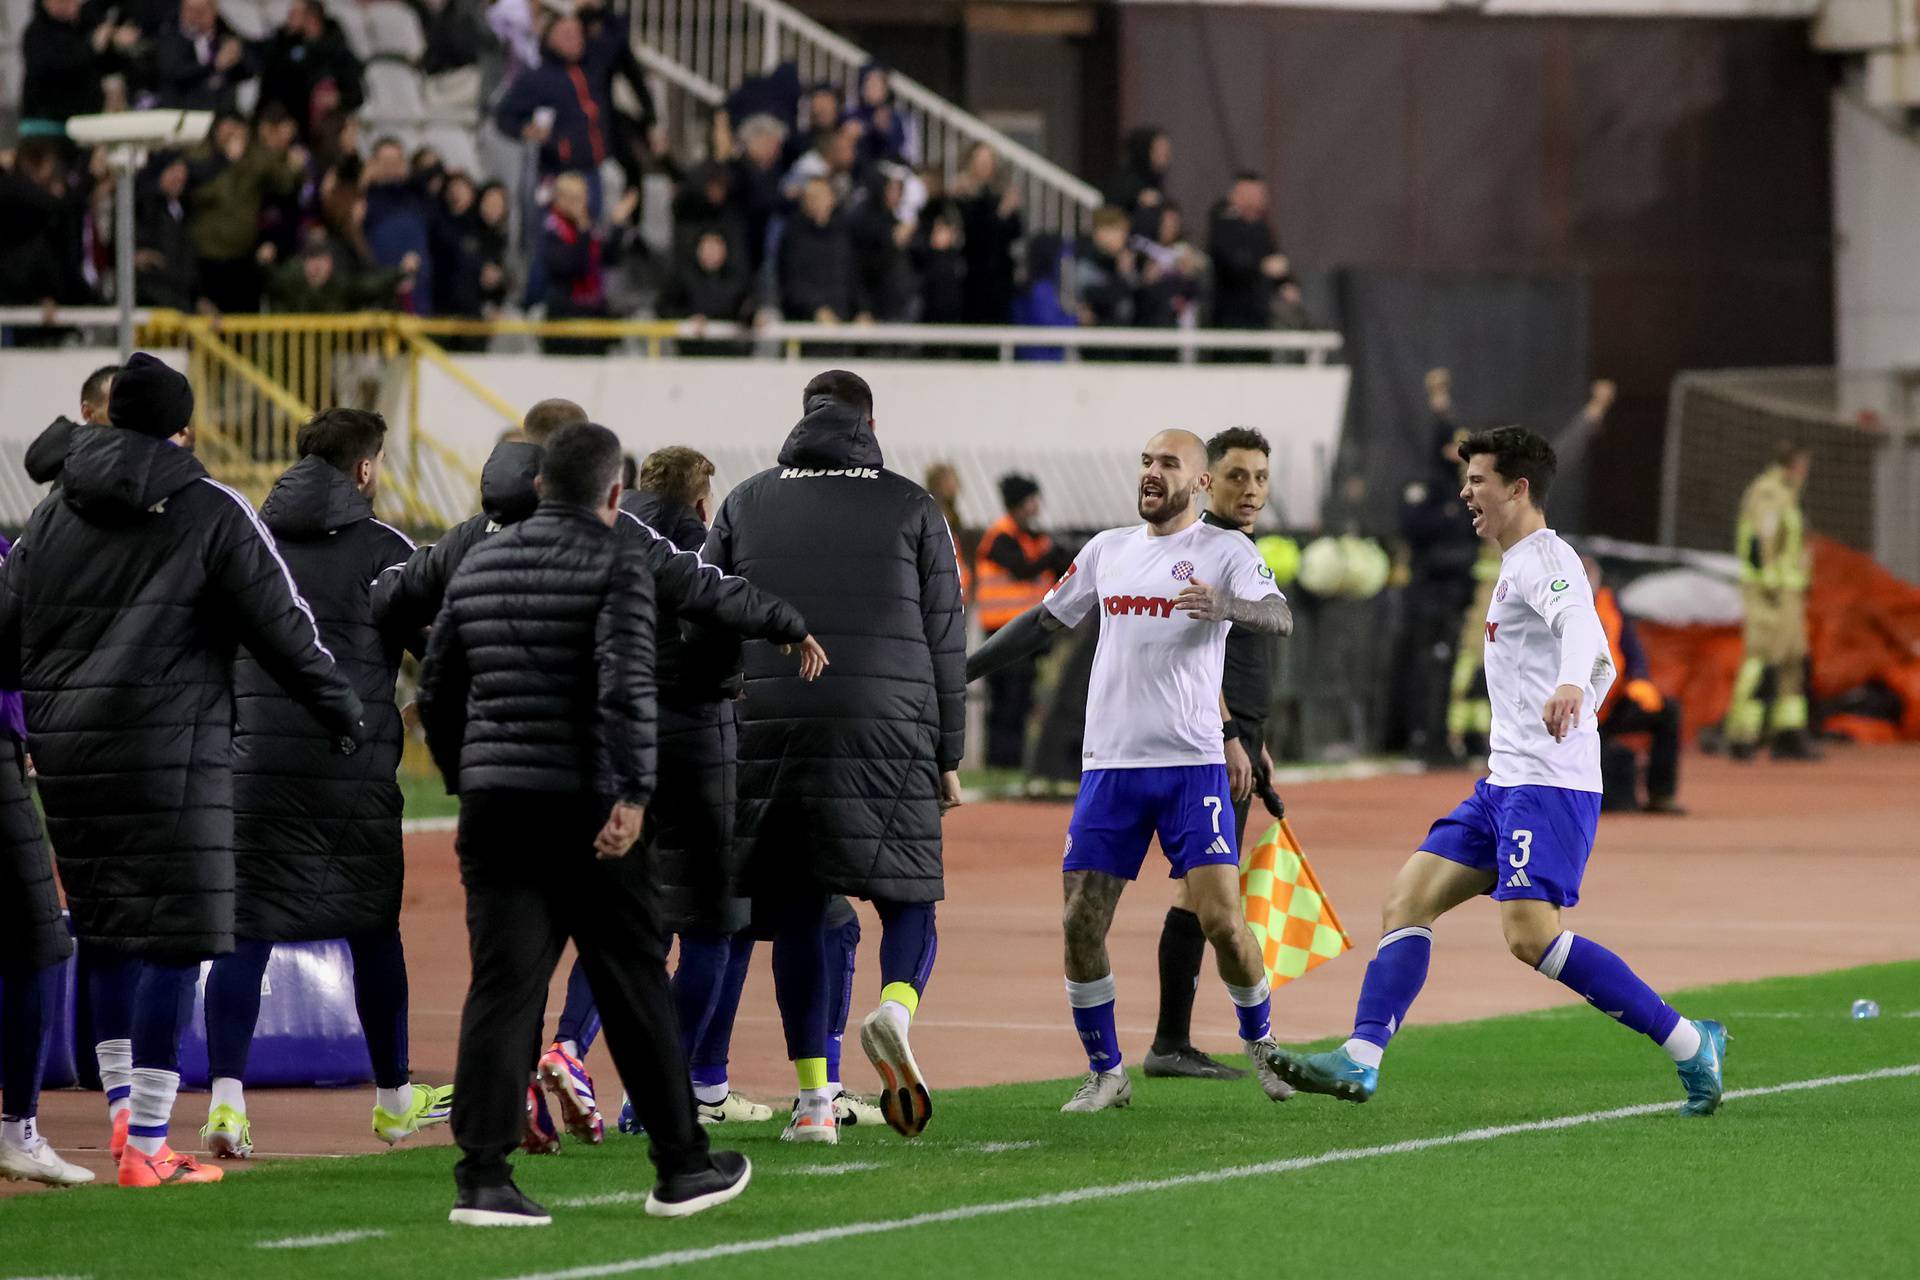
point(48, 452)
point(407, 596)
point(539, 670)
point(32, 934)
point(689, 837)
point(840, 779)
point(316, 835)
point(123, 606)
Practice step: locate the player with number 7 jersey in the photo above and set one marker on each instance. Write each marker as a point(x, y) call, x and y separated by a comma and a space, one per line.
point(1165, 593)
point(1525, 833)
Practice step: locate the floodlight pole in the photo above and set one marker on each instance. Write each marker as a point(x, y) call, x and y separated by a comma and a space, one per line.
point(126, 163)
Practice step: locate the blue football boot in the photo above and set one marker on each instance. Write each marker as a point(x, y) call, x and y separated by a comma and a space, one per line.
point(1702, 1073)
point(629, 1122)
point(1332, 1073)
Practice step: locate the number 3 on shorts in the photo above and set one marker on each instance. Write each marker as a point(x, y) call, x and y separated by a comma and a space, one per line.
point(1214, 804)
point(1523, 838)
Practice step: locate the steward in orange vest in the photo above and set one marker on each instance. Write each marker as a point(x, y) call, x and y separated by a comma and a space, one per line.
point(1015, 567)
point(1635, 706)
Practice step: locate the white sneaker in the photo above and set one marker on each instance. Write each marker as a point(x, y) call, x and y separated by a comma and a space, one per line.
point(39, 1163)
point(905, 1102)
point(812, 1122)
point(733, 1109)
point(851, 1108)
point(1100, 1091)
point(1260, 1052)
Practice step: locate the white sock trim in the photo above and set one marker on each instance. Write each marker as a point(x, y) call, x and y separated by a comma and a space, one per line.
point(713, 1095)
point(228, 1092)
point(116, 1063)
point(1250, 997)
point(1556, 957)
point(1364, 1052)
point(1684, 1043)
point(1091, 995)
point(1399, 935)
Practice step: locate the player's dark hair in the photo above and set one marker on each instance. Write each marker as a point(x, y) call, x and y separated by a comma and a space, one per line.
point(344, 437)
point(843, 388)
point(581, 463)
point(1518, 454)
point(94, 389)
point(1236, 438)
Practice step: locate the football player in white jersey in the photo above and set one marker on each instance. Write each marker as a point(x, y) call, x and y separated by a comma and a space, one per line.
point(1153, 759)
point(1524, 834)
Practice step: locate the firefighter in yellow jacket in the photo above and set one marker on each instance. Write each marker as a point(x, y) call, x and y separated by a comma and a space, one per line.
point(1769, 694)
point(1016, 565)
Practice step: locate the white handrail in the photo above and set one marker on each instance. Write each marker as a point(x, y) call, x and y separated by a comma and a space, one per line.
point(720, 42)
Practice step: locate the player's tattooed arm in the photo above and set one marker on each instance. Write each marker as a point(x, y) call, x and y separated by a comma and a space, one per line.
point(1267, 616)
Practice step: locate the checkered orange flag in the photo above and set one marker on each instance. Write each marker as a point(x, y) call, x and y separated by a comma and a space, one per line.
point(1287, 910)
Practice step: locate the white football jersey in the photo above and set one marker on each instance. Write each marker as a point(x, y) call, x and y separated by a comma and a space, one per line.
point(1540, 578)
point(1155, 696)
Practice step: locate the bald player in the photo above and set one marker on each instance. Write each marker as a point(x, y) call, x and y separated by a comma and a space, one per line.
point(1153, 760)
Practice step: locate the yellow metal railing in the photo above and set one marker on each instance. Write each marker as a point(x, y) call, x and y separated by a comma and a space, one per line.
point(258, 379)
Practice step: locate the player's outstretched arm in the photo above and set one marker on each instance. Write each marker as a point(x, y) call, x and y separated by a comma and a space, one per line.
point(1268, 615)
point(1026, 636)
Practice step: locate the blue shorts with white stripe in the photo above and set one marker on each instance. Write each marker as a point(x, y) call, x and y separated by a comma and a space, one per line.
point(1119, 811)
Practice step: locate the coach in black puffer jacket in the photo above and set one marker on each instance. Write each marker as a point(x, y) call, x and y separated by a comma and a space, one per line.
point(32, 934)
point(690, 838)
point(123, 606)
point(317, 834)
point(841, 778)
point(407, 594)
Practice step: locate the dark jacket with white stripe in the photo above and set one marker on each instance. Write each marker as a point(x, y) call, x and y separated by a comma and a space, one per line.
point(840, 779)
point(122, 608)
point(316, 834)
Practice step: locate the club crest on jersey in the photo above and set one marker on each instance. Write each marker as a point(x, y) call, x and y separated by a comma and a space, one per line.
point(1183, 570)
point(1071, 569)
point(1500, 592)
point(1558, 584)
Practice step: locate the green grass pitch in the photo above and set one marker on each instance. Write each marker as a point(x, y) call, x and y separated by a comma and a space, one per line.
point(1802, 1183)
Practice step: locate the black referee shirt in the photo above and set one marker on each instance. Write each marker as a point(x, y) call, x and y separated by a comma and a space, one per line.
point(1248, 679)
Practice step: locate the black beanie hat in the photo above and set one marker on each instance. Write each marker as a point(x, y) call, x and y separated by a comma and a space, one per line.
point(149, 397)
point(1016, 489)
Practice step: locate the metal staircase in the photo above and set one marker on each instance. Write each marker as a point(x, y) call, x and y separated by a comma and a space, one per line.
point(706, 47)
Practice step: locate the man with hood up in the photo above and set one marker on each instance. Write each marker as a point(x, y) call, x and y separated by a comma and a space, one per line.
point(843, 781)
point(317, 845)
point(121, 611)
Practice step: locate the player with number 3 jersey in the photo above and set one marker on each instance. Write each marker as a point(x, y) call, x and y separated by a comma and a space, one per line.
point(1153, 761)
point(1524, 834)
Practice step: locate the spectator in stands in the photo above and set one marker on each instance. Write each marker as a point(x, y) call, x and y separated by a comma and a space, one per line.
point(455, 32)
point(705, 203)
point(576, 255)
point(33, 206)
point(343, 217)
point(710, 285)
point(941, 267)
point(199, 62)
point(573, 88)
point(884, 135)
point(66, 53)
point(314, 284)
point(1141, 182)
point(469, 259)
point(336, 137)
point(1172, 272)
point(635, 140)
point(520, 26)
point(991, 224)
point(163, 252)
point(229, 180)
point(887, 289)
point(1248, 266)
point(757, 173)
point(835, 157)
point(493, 209)
point(307, 68)
point(282, 212)
point(1106, 275)
point(400, 217)
point(820, 116)
point(816, 260)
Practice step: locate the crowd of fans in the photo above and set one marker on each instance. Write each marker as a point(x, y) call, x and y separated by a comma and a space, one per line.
point(806, 205)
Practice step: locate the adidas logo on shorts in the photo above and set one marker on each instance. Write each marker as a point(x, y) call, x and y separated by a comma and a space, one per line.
point(1518, 880)
point(1220, 846)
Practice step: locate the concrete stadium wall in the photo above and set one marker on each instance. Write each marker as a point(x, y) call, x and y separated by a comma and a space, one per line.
point(1076, 427)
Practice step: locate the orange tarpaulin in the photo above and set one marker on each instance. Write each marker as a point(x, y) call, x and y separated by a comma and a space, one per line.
point(1863, 624)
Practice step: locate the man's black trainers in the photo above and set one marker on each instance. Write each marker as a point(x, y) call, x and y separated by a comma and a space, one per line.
point(1188, 1063)
point(501, 1206)
point(688, 1193)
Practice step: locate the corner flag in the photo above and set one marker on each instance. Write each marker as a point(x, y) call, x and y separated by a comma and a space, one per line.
point(1288, 912)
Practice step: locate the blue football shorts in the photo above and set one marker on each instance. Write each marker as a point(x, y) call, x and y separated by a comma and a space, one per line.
point(1533, 840)
point(1119, 811)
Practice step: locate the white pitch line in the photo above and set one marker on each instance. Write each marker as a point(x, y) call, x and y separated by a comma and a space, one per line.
point(321, 1242)
point(589, 1202)
point(991, 1148)
point(409, 826)
point(834, 1170)
point(1113, 1191)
